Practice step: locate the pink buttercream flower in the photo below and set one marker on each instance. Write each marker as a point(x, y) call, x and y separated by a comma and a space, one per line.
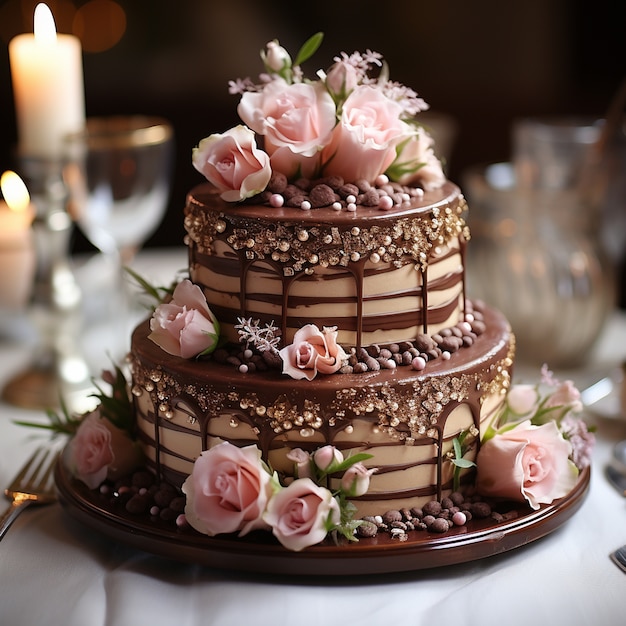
point(232, 162)
point(526, 463)
point(312, 351)
point(296, 121)
point(100, 450)
point(185, 326)
point(356, 480)
point(227, 490)
point(416, 162)
point(363, 144)
point(302, 514)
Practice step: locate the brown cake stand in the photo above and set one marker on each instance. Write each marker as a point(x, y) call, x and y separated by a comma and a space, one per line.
point(259, 552)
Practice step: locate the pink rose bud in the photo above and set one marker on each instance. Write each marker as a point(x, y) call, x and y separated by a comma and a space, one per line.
point(326, 456)
point(275, 57)
point(523, 399)
point(302, 462)
point(356, 480)
point(567, 395)
point(341, 79)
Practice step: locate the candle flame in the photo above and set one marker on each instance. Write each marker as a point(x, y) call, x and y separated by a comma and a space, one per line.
point(14, 191)
point(44, 27)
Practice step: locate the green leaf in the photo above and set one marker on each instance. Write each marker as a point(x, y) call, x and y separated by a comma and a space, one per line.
point(158, 293)
point(349, 462)
point(309, 48)
point(463, 463)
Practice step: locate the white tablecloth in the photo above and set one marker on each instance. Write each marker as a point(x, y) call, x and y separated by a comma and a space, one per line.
point(56, 571)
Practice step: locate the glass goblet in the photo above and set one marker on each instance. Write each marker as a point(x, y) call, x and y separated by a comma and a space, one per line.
point(118, 172)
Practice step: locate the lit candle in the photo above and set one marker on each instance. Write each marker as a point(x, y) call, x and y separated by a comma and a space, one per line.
point(17, 253)
point(47, 74)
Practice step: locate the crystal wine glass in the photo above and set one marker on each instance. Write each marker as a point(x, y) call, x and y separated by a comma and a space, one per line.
point(118, 173)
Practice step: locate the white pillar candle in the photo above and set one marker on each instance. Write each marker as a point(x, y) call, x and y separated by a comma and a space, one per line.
point(47, 74)
point(17, 253)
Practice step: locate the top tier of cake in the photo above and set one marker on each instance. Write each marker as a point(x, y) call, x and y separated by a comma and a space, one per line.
point(379, 276)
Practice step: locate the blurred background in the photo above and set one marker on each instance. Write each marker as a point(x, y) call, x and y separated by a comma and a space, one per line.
point(484, 63)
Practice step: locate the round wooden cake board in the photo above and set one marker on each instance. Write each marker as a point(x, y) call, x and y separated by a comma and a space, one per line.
point(260, 553)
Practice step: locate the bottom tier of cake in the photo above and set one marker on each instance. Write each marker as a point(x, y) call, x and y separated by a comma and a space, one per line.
point(406, 419)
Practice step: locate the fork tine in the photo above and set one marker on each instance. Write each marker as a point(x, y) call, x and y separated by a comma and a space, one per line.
point(46, 478)
point(19, 477)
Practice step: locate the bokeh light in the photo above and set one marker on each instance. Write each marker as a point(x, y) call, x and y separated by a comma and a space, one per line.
point(99, 24)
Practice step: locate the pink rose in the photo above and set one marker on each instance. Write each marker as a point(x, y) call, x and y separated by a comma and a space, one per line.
point(356, 480)
point(527, 462)
point(100, 450)
point(296, 121)
point(363, 144)
point(232, 162)
point(416, 163)
point(185, 326)
point(312, 351)
point(302, 514)
point(227, 490)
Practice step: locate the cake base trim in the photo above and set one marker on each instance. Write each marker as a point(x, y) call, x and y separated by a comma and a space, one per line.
point(259, 553)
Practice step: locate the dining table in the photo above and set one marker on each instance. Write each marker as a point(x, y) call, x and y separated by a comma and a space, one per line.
point(58, 570)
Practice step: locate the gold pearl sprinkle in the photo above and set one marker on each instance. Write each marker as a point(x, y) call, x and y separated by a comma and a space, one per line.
point(303, 235)
point(220, 226)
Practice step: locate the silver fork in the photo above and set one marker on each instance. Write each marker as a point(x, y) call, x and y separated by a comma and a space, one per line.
point(32, 485)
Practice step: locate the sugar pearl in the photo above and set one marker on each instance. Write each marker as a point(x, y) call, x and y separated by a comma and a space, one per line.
point(243, 368)
point(445, 355)
point(351, 199)
point(385, 203)
point(469, 318)
point(337, 206)
point(247, 353)
point(306, 205)
point(351, 206)
point(418, 363)
point(382, 179)
point(465, 326)
point(276, 200)
point(459, 518)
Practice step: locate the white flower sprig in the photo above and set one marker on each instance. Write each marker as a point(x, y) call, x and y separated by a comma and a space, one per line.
point(263, 338)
